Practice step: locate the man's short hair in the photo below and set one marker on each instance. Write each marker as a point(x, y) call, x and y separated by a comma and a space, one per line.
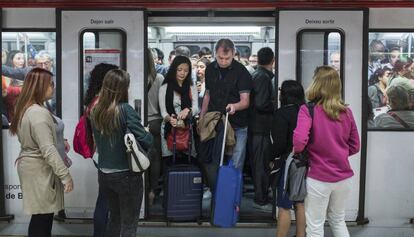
point(43, 54)
point(265, 56)
point(160, 54)
point(335, 53)
point(395, 49)
point(204, 51)
point(182, 51)
point(226, 44)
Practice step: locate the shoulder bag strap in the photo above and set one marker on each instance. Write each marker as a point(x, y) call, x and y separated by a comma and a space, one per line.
point(399, 119)
point(123, 119)
point(310, 107)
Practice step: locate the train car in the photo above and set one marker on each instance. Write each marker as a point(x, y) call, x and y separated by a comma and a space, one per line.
point(355, 37)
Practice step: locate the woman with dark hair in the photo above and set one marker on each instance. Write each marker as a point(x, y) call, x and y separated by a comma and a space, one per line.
point(378, 85)
point(178, 99)
point(100, 216)
point(291, 98)
point(122, 188)
point(15, 59)
point(42, 173)
point(95, 82)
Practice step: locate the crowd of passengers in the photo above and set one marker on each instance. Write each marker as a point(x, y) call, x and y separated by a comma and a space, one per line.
point(192, 89)
point(390, 88)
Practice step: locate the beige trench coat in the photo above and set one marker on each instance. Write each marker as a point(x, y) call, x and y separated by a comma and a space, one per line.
point(40, 168)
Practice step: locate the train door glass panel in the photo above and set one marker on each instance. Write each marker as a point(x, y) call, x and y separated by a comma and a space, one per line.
point(100, 46)
point(391, 80)
point(317, 48)
point(22, 51)
point(248, 40)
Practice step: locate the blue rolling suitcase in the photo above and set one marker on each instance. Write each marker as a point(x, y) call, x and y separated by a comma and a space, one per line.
point(228, 193)
point(183, 190)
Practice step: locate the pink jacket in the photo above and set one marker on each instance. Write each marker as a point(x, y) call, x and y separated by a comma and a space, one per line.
point(330, 145)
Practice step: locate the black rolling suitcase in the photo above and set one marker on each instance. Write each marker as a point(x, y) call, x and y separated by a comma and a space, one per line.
point(183, 189)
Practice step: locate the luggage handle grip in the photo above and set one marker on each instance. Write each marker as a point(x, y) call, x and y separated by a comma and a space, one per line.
point(223, 146)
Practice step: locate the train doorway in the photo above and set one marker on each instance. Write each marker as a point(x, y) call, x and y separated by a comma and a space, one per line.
point(198, 32)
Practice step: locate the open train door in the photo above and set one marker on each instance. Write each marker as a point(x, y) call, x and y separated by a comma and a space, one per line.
point(337, 38)
point(87, 38)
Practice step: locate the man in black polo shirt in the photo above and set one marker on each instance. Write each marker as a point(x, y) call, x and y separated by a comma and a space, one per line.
point(260, 119)
point(228, 85)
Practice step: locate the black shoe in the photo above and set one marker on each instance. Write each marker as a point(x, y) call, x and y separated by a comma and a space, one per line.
point(61, 216)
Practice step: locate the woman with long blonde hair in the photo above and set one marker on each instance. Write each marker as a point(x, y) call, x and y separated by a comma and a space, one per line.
point(331, 137)
point(122, 188)
point(42, 173)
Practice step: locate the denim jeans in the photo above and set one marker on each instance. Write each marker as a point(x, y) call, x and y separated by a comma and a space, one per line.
point(100, 216)
point(239, 151)
point(124, 191)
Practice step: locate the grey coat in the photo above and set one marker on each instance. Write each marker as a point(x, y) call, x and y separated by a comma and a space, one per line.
point(40, 167)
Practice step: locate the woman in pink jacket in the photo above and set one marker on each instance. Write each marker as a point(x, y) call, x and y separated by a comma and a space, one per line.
point(331, 138)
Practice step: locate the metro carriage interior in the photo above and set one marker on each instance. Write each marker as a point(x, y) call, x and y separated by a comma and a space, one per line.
point(357, 53)
point(248, 40)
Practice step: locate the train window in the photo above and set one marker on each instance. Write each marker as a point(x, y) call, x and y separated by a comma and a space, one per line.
point(100, 46)
point(391, 80)
point(316, 48)
point(22, 51)
point(193, 48)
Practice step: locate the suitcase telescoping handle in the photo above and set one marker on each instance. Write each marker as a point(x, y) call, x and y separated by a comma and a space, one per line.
point(190, 143)
point(223, 146)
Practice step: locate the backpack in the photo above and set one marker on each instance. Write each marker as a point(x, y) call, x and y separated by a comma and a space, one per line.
point(82, 131)
point(80, 139)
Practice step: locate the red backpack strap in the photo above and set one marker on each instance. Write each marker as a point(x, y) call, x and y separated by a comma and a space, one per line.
point(396, 117)
point(91, 105)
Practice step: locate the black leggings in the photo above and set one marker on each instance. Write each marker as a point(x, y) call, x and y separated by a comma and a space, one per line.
point(41, 225)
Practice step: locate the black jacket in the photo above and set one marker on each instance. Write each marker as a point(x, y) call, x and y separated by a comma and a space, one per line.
point(283, 125)
point(261, 102)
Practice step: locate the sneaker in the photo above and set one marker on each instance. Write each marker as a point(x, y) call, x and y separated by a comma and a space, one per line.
point(207, 194)
point(263, 208)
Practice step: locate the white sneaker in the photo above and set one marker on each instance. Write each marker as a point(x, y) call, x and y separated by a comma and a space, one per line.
point(207, 194)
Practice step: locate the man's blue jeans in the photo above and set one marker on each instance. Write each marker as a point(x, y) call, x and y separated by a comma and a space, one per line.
point(239, 151)
point(238, 157)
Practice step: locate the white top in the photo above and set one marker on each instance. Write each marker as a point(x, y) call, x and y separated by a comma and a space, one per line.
point(177, 101)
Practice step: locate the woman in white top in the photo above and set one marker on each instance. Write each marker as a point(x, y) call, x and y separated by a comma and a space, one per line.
point(178, 99)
